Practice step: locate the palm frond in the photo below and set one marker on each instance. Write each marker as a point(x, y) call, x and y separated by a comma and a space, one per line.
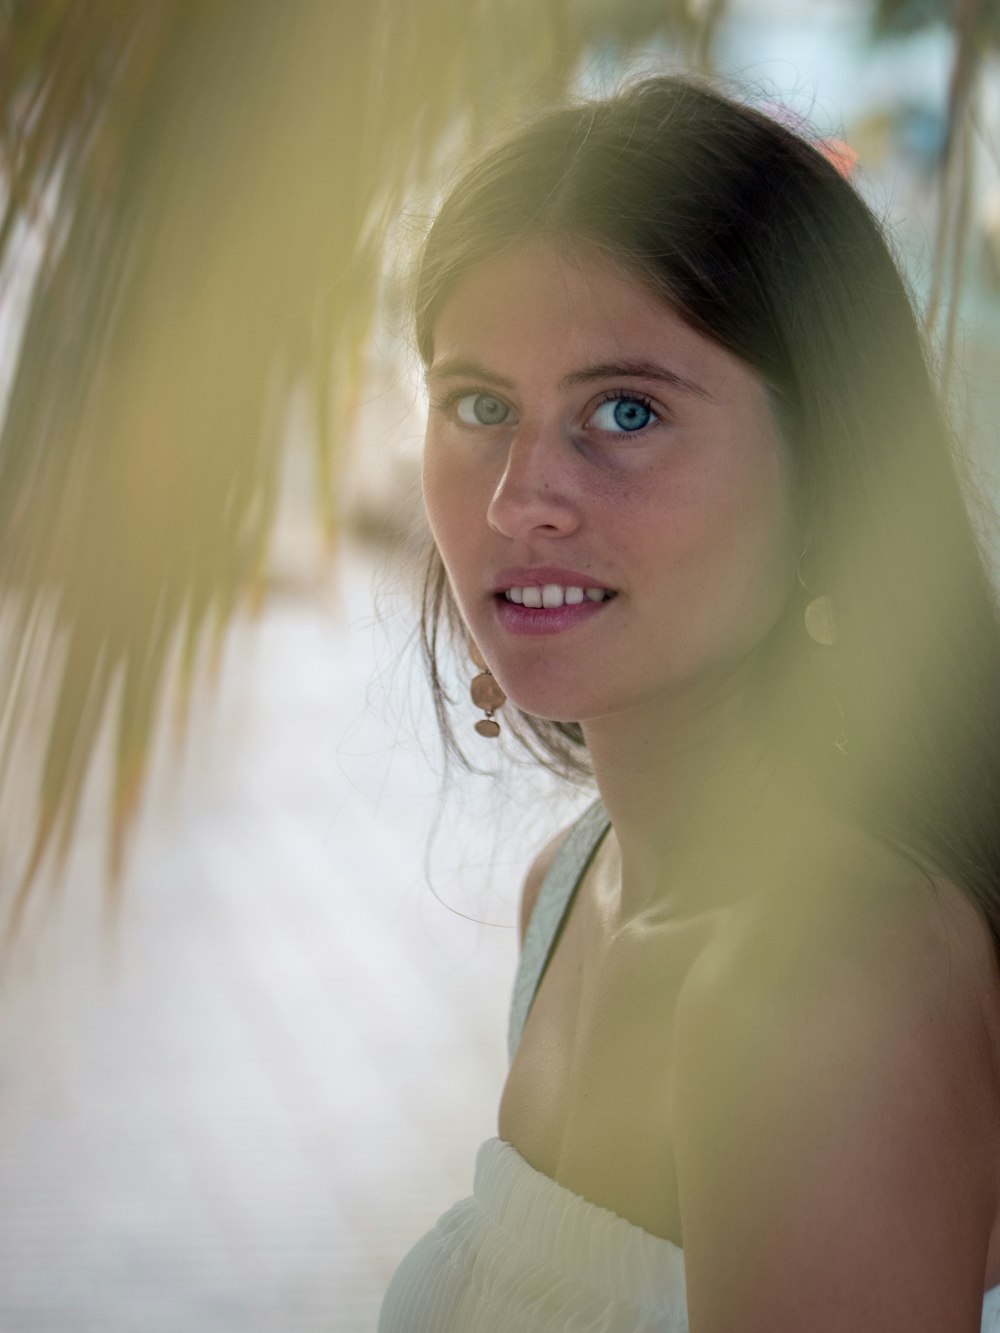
point(209, 186)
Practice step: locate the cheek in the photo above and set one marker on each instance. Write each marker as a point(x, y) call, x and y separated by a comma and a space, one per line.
point(442, 491)
point(755, 539)
point(454, 506)
point(719, 544)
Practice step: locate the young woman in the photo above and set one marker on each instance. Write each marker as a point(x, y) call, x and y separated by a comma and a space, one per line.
point(694, 504)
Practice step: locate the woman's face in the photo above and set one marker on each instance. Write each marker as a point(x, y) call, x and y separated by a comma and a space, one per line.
point(588, 450)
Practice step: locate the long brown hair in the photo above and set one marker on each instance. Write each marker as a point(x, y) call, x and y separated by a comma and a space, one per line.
point(756, 239)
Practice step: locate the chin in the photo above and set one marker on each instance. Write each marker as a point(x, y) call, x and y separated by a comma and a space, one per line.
point(548, 714)
point(551, 705)
point(559, 705)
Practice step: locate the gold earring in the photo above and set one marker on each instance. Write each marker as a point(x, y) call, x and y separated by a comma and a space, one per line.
point(820, 624)
point(487, 695)
point(821, 627)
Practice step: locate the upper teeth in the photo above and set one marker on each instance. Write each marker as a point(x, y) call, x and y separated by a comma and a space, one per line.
point(552, 595)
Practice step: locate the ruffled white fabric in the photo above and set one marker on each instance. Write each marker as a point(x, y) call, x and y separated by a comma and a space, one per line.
point(525, 1255)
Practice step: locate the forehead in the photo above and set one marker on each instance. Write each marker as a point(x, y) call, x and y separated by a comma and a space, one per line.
point(543, 307)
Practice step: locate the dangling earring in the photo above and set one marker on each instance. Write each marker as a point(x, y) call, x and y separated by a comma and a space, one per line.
point(821, 626)
point(487, 695)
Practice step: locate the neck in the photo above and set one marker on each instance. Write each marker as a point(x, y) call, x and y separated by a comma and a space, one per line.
point(691, 797)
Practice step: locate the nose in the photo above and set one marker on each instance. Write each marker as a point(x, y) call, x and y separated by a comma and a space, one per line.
point(535, 493)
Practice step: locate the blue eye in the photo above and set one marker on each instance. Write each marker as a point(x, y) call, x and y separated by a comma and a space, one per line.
point(481, 409)
point(622, 414)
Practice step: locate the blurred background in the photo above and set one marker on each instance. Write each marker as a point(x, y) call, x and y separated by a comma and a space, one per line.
point(258, 942)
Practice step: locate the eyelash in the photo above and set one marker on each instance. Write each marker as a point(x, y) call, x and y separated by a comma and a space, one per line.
point(633, 396)
point(454, 396)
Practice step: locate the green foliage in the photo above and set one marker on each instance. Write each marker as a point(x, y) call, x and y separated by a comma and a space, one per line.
point(211, 185)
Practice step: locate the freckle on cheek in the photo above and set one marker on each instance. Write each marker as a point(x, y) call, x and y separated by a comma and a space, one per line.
point(618, 492)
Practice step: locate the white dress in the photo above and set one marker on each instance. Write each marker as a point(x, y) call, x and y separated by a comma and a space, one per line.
point(523, 1254)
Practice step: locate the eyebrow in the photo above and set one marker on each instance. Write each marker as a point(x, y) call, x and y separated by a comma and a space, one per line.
point(457, 367)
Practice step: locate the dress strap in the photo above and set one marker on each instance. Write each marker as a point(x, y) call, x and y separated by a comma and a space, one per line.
point(554, 898)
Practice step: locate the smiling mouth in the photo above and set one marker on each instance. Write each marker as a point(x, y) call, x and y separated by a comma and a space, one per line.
point(551, 596)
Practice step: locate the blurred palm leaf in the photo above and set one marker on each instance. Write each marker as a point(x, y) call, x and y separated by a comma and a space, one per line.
point(210, 185)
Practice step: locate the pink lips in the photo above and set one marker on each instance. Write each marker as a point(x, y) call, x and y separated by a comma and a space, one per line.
point(529, 620)
point(536, 576)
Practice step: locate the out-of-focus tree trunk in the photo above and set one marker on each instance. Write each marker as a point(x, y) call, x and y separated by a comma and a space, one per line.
point(975, 26)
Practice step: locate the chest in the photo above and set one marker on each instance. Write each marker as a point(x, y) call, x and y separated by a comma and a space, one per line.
point(587, 1099)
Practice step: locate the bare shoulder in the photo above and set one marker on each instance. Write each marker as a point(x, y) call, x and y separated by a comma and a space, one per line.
point(861, 923)
point(861, 948)
point(535, 878)
point(836, 1109)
